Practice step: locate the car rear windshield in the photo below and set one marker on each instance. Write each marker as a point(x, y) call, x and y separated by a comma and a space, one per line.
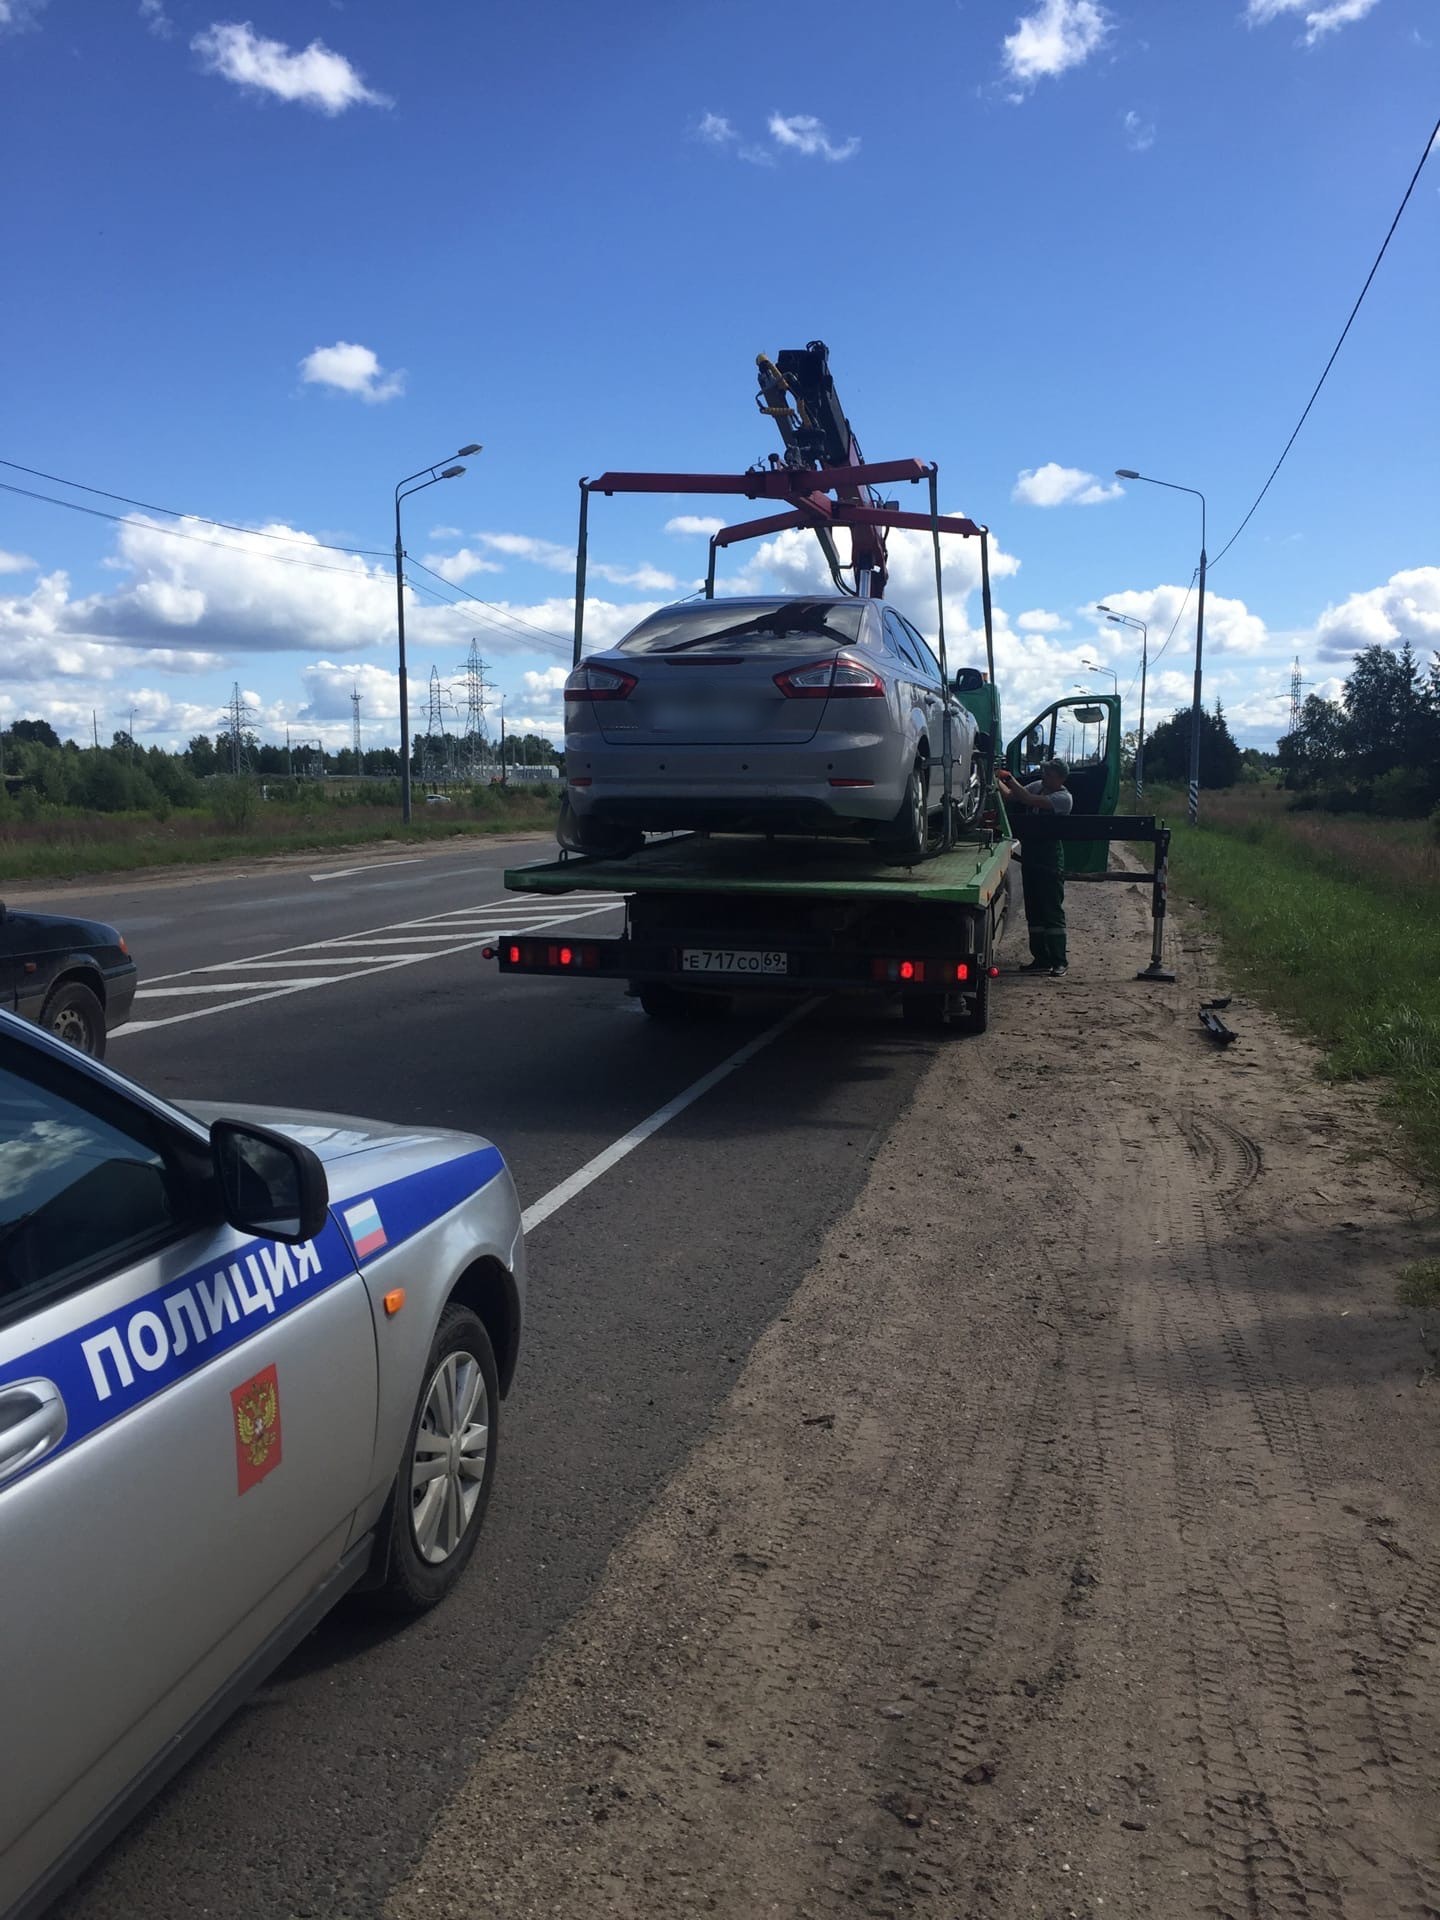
point(773, 627)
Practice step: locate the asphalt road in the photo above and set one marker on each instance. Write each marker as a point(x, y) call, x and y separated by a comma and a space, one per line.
point(647, 1290)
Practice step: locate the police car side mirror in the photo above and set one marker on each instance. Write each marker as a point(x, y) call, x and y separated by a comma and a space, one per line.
point(271, 1186)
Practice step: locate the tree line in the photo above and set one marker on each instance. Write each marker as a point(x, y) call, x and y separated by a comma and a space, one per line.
point(1377, 748)
point(39, 770)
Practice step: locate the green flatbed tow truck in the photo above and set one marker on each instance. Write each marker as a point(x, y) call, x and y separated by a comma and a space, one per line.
point(708, 917)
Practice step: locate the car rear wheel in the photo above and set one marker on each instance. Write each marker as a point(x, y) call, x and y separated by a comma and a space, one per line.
point(596, 838)
point(433, 1517)
point(73, 1013)
point(906, 840)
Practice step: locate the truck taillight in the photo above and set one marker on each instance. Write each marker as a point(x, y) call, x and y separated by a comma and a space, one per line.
point(590, 683)
point(962, 970)
point(891, 971)
point(839, 679)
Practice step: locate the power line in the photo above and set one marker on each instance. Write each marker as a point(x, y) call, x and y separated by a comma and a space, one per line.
point(1434, 134)
point(497, 613)
point(176, 533)
point(177, 513)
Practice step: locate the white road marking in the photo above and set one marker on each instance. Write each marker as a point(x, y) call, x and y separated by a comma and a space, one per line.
point(566, 1191)
point(343, 873)
point(459, 939)
point(233, 986)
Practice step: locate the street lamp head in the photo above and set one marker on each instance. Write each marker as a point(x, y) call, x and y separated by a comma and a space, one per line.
point(1116, 618)
point(1126, 473)
point(465, 452)
point(452, 473)
point(1100, 607)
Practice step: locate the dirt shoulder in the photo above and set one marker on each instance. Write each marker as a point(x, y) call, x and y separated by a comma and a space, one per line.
point(1070, 1544)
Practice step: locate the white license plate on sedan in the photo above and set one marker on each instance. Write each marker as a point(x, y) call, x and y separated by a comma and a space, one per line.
point(732, 960)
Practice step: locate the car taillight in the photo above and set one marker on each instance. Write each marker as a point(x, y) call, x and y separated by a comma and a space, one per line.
point(600, 683)
point(839, 679)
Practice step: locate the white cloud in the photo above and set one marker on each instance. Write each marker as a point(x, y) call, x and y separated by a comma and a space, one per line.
point(1328, 17)
point(1058, 35)
point(1139, 132)
point(1407, 607)
point(153, 13)
point(315, 77)
point(694, 523)
point(15, 562)
point(551, 680)
point(446, 533)
point(1230, 626)
point(1055, 486)
point(716, 130)
point(558, 559)
point(803, 133)
point(17, 15)
point(456, 567)
point(1037, 620)
point(328, 688)
point(524, 546)
point(352, 369)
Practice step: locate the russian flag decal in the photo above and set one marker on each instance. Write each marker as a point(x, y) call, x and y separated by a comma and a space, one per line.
point(367, 1229)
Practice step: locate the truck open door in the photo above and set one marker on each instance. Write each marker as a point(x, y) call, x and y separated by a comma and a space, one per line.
point(1084, 732)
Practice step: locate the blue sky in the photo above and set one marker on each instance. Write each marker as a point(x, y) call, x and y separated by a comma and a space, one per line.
point(264, 264)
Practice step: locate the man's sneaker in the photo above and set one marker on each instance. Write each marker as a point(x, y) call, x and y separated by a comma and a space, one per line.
point(1059, 973)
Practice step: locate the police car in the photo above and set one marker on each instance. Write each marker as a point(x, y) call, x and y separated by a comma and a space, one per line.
point(247, 1362)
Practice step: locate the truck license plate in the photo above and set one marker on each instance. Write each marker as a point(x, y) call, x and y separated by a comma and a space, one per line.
point(732, 960)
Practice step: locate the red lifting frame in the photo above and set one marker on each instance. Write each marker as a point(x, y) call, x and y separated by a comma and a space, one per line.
point(806, 492)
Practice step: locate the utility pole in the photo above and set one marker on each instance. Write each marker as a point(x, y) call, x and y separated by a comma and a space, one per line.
point(355, 718)
point(403, 491)
point(434, 763)
point(95, 728)
point(503, 780)
point(1296, 698)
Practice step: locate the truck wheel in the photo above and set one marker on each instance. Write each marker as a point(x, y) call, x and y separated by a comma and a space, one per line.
point(906, 838)
point(74, 1014)
point(976, 1017)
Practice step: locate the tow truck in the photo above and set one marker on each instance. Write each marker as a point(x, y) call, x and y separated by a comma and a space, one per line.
point(710, 916)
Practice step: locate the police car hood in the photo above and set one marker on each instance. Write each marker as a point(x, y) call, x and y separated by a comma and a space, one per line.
point(334, 1136)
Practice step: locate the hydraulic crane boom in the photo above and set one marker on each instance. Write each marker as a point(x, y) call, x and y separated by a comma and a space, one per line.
point(817, 435)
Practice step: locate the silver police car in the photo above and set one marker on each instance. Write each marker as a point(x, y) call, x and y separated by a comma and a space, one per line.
point(247, 1363)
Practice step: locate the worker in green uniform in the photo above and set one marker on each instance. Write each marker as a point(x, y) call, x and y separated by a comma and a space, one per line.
point(1042, 868)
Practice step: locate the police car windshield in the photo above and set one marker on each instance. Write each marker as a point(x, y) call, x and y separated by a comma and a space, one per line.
point(758, 629)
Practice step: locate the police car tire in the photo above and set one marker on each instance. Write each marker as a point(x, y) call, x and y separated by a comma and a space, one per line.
point(73, 1009)
point(411, 1584)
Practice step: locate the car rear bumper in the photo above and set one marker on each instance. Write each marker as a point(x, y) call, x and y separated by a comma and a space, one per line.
point(672, 788)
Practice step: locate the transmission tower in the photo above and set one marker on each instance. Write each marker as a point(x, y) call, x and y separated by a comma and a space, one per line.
point(237, 721)
point(355, 723)
point(435, 762)
point(1296, 684)
point(477, 698)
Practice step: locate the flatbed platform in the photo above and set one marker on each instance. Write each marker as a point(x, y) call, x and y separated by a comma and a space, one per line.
point(969, 875)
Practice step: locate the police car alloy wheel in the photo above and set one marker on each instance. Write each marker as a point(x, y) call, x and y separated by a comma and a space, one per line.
point(452, 1445)
point(437, 1504)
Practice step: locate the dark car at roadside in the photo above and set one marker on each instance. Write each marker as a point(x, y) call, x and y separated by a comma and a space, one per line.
point(74, 977)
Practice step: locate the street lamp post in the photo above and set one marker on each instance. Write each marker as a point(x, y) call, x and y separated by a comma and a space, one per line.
point(1128, 620)
point(1128, 473)
point(1094, 666)
point(403, 491)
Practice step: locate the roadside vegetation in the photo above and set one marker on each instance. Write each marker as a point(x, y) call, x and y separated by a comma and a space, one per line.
point(67, 810)
point(1335, 920)
point(1321, 866)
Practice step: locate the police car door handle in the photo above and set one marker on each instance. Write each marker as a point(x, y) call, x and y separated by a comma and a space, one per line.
point(32, 1421)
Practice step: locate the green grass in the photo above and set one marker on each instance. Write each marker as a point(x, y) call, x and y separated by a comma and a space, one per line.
point(92, 847)
point(1420, 1286)
point(1332, 931)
